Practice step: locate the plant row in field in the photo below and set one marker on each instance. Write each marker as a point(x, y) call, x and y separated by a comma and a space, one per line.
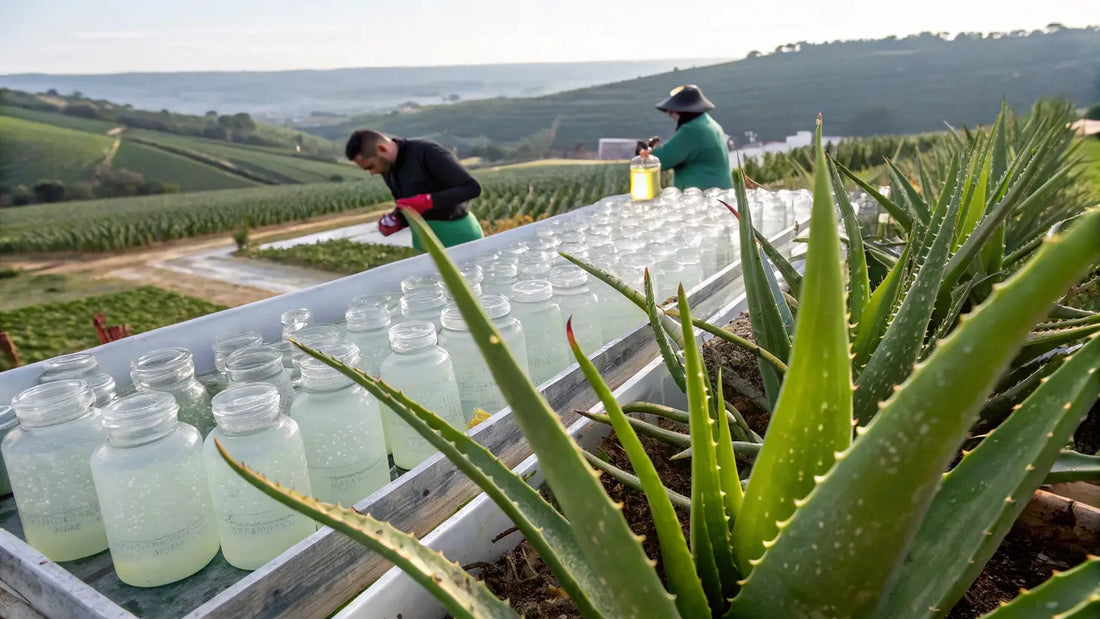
point(335, 255)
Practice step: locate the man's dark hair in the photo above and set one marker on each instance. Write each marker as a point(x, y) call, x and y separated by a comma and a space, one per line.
point(363, 142)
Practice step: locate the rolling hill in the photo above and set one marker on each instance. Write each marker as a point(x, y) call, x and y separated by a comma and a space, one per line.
point(861, 87)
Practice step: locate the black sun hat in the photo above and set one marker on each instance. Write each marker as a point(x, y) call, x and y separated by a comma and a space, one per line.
point(686, 98)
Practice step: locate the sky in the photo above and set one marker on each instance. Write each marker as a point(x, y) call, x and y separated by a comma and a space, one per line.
point(113, 36)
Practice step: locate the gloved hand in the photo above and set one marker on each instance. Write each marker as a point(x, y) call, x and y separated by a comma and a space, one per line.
point(391, 222)
point(419, 203)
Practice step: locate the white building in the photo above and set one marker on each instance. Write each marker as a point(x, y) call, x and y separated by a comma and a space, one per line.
point(616, 148)
point(756, 150)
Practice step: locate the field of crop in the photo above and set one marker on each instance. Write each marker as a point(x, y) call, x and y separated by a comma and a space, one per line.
point(342, 256)
point(190, 175)
point(1091, 168)
point(102, 225)
point(32, 151)
point(43, 331)
point(59, 120)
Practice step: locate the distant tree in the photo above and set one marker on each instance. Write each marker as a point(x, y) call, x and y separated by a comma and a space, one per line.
point(21, 196)
point(76, 94)
point(1093, 113)
point(52, 92)
point(49, 191)
point(1055, 27)
point(83, 109)
point(215, 132)
point(80, 190)
point(753, 54)
point(117, 183)
point(243, 122)
point(212, 114)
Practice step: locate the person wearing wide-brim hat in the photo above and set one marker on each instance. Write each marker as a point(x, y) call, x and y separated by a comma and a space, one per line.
point(696, 153)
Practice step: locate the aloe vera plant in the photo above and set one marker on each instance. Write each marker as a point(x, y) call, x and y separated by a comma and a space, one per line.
point(830, 525)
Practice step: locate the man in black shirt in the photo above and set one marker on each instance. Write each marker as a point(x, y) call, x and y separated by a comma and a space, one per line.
point(423, 176)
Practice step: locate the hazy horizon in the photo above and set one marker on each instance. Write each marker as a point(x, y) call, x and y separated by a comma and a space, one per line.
point(81, 37)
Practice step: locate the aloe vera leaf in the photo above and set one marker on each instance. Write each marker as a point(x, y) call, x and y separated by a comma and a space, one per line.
point(728, 477)
point(1000, 405)
point(984, 494)
point(462, 594)
point(900, 215)
point(1073, 466)
point(974, 203)
point(877, 313)
point(631, 481)
point(859, 285)
point(1056, 597)
point(786, 269)
point(707, 505)
point(672, 362)
point(814, 409)
point(767, 321)
point(1062, 311)
point(1041, 342)
point(660, 410)
point(539, 522)
point(749, 451)
point(780, 298)
point(609, 545)
point(638, 299)
point(900, 347)
point(1087, 609)
point(917, 204)
point(1024, 250)
point(1071, 322)
point(880, 254)
point(926, 184)
point(899, 458)
point(672, 437)
point(959, 297)
point(682, 578)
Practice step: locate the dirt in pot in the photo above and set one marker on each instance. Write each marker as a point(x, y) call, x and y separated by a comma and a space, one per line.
point(735, 361)
point(522, 577)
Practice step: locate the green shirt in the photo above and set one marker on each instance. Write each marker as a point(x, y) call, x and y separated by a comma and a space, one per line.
point(697, 155)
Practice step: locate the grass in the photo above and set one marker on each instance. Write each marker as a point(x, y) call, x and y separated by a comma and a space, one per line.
point(1091, 166)
point(44, 331)
point(337, 255)
point(190, 175)
point(32, 151)
point(20, 289)
point(59, 120)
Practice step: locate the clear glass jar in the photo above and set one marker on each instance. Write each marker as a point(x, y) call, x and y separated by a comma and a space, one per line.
point(499, 278)
point(172, 370)
point(151, 483)
point(476, 386)
point(312, 337)
point(667, 275)
point(48, 460)
point(423, 370)
point(368, 329)
point(424, 305)
point(261, 364)
point(8, 422)
point(81, 365)
point(691, 260)
point(253, 527)
point(391, 301)
point(341, 427)
point(228, 343)
point(474, 276)
point(533, 265)
point(547, 348)
point(295, 320)
point(413, 282)
point(576, 300)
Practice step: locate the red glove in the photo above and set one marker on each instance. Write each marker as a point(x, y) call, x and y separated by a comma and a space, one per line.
point(391, 222)
point(420, 203)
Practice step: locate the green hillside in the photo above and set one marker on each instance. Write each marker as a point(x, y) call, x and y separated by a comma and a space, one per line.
point(862, 88)
point(69, 122)
point(190, 175)
point(32, 151)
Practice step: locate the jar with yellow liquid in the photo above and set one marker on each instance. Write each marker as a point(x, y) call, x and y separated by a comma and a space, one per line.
point(645, 177)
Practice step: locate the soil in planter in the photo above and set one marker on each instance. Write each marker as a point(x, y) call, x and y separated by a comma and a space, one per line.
point(734, 359)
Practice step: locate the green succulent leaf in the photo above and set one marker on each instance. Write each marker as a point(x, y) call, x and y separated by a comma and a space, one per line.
point(729, 479)
point(462, 594)
point(859, 285)
point(900, 347)
point(814, 410)
point(1041, 342)
point(915, 203)
point(539, 522)
point(1073, 466)
point(900, 214)
point(899, 458)
point(984, 494)
point(672, 362)
point(672, 437)
point(876, 315)
point(683, 580)
point(631, 481)
point(708, 509)
point(1058, 597)
point(611, 548)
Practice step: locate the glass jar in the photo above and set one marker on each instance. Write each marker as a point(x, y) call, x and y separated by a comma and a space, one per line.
point(83, 366)
point(691, 260)
point(341, 427)
point(8, 422)
point(423, 370)
point(228, 343)
point(48, 460)
point(151, 483)
point(476, 386)
point(576, 300)
point(253, 527)
point(474, 275)
point(533, 265)
point(295, 320)
point(368, 329)
point(172, 370)
point(425, 304)
point(413, 282)
point(667, 276)
point(261, 364)
point(645, 177)
point(547, 347)
point(499, 278)
point(311, 337)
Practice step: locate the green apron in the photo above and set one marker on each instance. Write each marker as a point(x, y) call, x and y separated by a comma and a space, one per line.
point(452, 233)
